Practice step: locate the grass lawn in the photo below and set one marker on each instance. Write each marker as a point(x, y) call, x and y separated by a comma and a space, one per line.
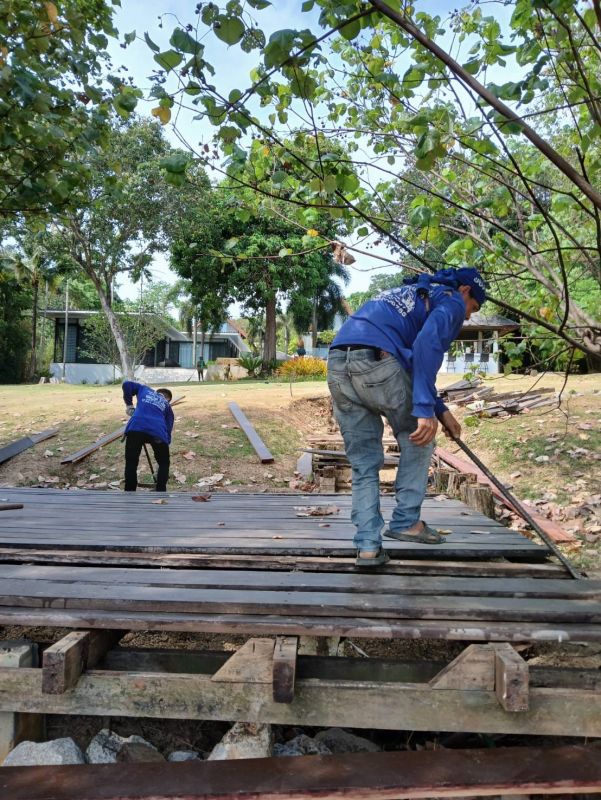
point(548, 456)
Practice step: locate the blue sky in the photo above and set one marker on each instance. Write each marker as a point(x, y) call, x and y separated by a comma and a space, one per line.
point(232, 71)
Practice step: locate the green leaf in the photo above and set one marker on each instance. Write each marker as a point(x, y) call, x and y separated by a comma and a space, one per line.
point(229, 29)
point(182, 40)
point(151, 44)
point(364, 231)
point(420, 217)
point(308, 5)
point(169, 59)
point(285, 251)
point(352, 30)
point(279, 176)
point(176, 163)
point(130, 37)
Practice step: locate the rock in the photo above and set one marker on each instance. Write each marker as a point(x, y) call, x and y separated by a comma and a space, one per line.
point(341, 741)
point(57, 751)
point(106, 745)
point(302, 745)
point(243, 740)
point(184, 755)
point(138, 752)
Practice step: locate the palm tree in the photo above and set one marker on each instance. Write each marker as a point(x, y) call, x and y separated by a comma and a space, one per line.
point(285, 322)
point(319, 311)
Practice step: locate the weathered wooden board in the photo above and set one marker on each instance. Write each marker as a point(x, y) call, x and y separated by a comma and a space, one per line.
point(370, 776)
point(14, 448)
point(343, 703)
point(251, 434)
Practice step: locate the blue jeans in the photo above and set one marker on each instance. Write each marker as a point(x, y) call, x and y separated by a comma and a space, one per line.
point(365, 389)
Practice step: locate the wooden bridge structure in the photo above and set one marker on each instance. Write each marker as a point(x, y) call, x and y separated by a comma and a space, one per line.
point(279, 569)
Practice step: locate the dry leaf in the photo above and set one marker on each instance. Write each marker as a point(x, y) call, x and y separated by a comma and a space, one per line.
point(210, 480)
point(189, 455)
point(316, 511)
point(324, 524)
point(444, 531)
point(201, 498)
point(159, 502)
point(221, 524)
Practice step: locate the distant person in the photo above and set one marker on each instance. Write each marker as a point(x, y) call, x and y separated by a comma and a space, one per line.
point(151, 422)
point(200, 366)
point(300, 350)
point(383, 362)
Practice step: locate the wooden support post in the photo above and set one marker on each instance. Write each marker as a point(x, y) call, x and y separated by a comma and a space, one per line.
point(480, 498)
point(15, 727)
point(474, 668)
point(64, 662)
point(251, 663)
point(511, 678)
point(284, 668)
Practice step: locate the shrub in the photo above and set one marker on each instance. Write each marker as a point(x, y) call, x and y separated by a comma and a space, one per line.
point(307, 367)
point(251, 363)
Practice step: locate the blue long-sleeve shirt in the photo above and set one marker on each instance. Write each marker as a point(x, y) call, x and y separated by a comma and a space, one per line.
point(153, 414)
point(398, 322)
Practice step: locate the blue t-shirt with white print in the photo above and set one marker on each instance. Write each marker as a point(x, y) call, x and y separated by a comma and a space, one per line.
point(153, 414)
point(398, 322)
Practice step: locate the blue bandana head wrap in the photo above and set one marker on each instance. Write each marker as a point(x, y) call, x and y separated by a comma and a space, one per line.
point(454, 278)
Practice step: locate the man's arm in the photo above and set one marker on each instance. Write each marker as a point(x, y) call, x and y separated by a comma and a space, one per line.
point(130, 388)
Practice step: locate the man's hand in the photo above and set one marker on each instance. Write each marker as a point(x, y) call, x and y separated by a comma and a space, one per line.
point(129, 410)
point(451, 428)
point(426, 430)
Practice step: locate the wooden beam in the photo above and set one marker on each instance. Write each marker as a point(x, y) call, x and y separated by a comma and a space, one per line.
point(319, 702)
point(14, 448)
point(64, 662)
point(251, 434)
point(284, 668)
point(507, 771)
point(511, 678)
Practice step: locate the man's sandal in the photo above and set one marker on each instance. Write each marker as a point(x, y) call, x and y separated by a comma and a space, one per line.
point(426, 536)
point(380, 558)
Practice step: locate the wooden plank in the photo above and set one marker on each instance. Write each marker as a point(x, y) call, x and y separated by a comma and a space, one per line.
point(504, 771)
point(305, 625)
point(340, 703)
point(251, 434)
point(84, 452)
point(32, 593)
point(552, 529)
point(241, 561)
point(65, 661)
point(284, 668)
point(511, 678)
point(14, 448)
point(251, 580)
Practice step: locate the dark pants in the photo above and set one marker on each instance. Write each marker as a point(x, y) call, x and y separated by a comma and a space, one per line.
point(134, 441)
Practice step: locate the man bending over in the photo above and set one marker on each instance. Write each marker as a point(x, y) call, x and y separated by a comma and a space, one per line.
point(151, 422)
point(383, 362)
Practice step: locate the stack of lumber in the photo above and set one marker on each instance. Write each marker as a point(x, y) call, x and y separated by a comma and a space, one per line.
point(464, 393)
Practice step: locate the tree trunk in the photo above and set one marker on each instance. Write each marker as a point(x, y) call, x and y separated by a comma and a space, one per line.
point(203, 334)
point(269, 344)
point(127, 367)
point(34, 331)
point(314, 325)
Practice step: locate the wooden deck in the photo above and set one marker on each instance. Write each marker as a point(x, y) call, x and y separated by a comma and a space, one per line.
point(257, 524)
point(261, 569)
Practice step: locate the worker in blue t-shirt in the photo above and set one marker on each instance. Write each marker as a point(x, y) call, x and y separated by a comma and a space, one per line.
point(383, 362)
point(151, 422)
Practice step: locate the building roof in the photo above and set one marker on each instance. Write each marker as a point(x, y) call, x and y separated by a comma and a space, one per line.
point(489, 322)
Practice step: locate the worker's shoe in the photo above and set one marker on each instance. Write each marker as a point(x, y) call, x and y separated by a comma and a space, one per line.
point(371, 558)
point(426, 535)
